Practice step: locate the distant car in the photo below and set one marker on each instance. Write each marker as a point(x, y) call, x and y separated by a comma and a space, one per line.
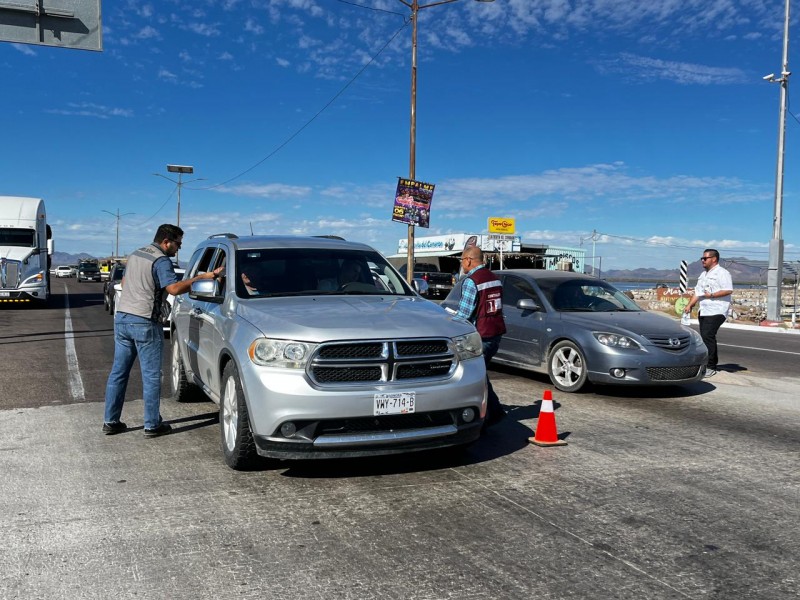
point(88, 273)
point(63, 271)
point(577, 328)
point(114, 276)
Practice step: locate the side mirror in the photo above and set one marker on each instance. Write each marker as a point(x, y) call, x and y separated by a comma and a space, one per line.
point(204, 289)
point(528, 304)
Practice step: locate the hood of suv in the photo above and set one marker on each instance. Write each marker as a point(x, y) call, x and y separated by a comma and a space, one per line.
point(318, 319)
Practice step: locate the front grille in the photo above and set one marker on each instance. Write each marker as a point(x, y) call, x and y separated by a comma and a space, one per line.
point(351, 351)
point(382, 361)
point(346, 374)
point(670, 342)
point(9, 274)
point(428, 369)
point(673, 373)
point(421, 348)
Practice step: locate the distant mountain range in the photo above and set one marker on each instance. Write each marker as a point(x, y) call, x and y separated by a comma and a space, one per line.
point(740, 272)
point(63, 258)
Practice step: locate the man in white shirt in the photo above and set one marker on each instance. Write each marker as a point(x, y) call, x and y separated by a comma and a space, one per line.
point(713, 292)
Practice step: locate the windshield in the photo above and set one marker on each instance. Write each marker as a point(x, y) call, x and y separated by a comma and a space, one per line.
point(24, 238)
point(308, 272)
point(582, 295)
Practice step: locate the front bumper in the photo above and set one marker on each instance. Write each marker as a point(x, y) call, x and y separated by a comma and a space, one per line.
point(657, 368)
point(338, 420)
point(376, 441)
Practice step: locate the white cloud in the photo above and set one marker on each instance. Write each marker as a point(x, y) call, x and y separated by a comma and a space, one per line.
point(147, 32)
point(269, 190)
point(88, 109)
point(24, 49)
point(252, 26)
point(643, 68)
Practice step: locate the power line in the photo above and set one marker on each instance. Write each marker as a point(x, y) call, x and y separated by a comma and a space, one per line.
point(312, 119)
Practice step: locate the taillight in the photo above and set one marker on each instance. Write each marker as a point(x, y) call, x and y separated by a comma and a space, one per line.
point(425, 277)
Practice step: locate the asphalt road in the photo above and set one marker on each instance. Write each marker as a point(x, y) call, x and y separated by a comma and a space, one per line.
point(661, 493)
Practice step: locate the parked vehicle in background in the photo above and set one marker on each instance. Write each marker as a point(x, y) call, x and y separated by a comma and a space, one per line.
point(439, 283)
point(26, 248)
point(63, 271)
point(181, 273)
point(88, 271)
point(579, 329)
point(115, 275)
point(307, 363)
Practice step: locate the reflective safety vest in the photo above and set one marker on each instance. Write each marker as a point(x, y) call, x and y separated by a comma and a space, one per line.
point(488, 315)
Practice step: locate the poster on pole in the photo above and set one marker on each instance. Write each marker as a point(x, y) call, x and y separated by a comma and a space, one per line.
point(412, 202)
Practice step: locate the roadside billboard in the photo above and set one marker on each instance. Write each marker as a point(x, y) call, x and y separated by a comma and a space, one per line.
point(412, 202)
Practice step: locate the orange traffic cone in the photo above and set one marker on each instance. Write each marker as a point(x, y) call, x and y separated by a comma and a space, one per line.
point(546, 433)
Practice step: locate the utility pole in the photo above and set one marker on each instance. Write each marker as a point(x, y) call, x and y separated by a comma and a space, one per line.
point(775, 269)
point(180, 170)
point(415, 7)
point(118, 217)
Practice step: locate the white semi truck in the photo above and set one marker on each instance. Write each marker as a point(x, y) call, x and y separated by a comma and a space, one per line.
point(26, 248)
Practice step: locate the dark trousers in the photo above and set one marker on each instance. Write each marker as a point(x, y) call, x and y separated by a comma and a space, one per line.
point(490, 346)
point(708, 331)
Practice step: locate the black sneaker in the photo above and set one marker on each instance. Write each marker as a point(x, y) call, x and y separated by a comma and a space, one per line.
point(160, 430)
point(114, 428)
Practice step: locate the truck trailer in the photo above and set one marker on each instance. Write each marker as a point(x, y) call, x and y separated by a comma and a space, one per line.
point(26, 249)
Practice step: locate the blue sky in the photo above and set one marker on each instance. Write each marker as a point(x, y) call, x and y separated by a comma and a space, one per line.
point(647, 122)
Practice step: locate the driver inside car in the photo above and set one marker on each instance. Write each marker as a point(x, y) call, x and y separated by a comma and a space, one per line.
point(349, 271)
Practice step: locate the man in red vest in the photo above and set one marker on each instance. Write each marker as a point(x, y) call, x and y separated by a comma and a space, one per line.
point(482, 305)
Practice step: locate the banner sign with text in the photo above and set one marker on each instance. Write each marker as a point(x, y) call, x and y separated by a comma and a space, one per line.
point(501, 225)
point(412, 202)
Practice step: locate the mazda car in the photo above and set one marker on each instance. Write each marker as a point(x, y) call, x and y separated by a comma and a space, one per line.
point(577, 328)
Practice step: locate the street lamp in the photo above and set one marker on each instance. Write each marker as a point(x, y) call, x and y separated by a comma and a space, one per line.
point(118, 217)
point(415, 7)
point(180, 170)
point(775, 271)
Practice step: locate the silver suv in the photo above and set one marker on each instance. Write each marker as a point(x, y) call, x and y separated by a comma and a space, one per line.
point(315, 347)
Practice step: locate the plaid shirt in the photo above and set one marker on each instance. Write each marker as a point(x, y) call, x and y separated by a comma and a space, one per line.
point(469, 297)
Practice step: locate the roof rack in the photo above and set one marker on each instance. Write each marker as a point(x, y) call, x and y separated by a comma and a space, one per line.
point(230, 236)
point(331, 237)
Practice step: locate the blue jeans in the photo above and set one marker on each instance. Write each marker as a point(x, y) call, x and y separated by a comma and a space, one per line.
point(135, 336)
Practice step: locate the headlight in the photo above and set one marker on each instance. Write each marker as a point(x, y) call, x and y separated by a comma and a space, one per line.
point(614, 340)
point(34, 280)
point(468, 346)
point(696, 339)
point(280, 353)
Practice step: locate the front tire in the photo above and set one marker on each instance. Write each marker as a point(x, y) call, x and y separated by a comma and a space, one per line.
point(238, 446)
point(566, 367)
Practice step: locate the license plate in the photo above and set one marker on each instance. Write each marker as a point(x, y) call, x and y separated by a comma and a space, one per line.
point(399, 403)
point(5, 294)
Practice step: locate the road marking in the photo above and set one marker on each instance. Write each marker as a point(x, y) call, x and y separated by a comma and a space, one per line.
point(75, 381)
point(762, 349)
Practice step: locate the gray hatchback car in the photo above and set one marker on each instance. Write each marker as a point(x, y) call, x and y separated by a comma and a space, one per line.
point(315, 347)
point(578, 328)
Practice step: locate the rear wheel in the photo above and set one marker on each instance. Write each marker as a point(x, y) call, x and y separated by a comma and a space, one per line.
point(238, 446)
point(566, 367)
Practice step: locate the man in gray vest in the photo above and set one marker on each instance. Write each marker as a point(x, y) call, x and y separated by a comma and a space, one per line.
point(149, 275)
